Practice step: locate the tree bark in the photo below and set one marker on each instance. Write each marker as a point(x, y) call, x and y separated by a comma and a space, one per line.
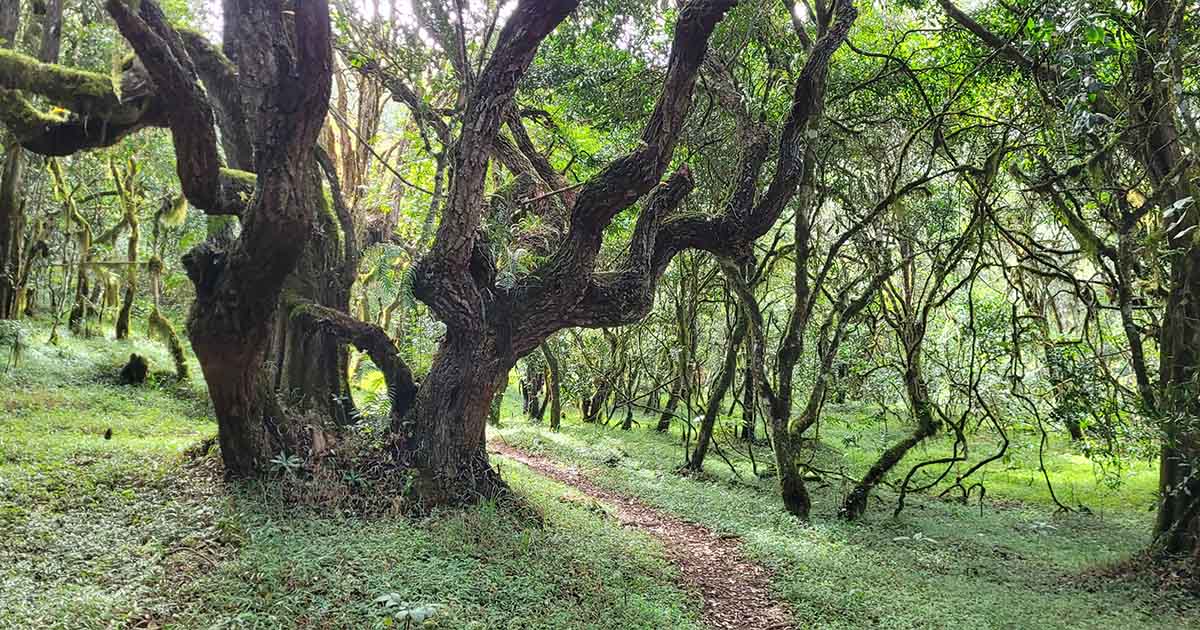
point(554, 392)
point(720, 387)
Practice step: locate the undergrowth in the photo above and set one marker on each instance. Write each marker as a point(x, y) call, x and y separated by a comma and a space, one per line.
point(132, 532)
point(1010, 561)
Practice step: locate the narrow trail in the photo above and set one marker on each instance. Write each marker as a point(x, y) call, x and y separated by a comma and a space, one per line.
point(734, 589)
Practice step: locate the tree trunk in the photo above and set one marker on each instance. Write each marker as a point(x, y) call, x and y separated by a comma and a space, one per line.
point(555, 387)
point(785, 448)
point(131, 274)
point(749, 404)
point(594, 404)
point(122, 325)
point(927, 426)
point(681, 392)
point(668, 412)
point(12, 206)
point(10, 232)
point(1177, 525)
point(312, 364)
point(442, 439)
point(720, 388)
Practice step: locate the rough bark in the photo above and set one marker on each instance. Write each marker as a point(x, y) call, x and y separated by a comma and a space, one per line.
point(312, 363)
point(238, 290)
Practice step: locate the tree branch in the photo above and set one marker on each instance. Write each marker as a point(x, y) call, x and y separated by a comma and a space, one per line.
point(189, 114)
point(369, 338)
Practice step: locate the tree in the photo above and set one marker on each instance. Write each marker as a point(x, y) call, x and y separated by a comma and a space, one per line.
point(1146, 117)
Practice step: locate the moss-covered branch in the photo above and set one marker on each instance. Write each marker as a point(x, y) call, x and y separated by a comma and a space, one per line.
point(89, 113)
point(160, 326)
point(85, 93)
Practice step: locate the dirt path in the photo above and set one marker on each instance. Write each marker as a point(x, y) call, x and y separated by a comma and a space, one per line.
point(734, 589)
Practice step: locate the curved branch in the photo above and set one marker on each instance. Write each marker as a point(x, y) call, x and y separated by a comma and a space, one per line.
point(85, 93)
point(525, 30)
point(441, 279)
point(628, 178)
point(808, 102)
point(220, 78)
point(369, 338)
point(189, 114)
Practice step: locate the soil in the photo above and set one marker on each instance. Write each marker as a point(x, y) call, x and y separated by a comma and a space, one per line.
point(735, 590)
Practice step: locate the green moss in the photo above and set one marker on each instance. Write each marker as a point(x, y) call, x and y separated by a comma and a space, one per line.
point(85, 93)
point(244, 179)
point(22, 118)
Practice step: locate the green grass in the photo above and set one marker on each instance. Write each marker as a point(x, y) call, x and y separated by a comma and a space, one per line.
point(99, 533)
point(940, 564)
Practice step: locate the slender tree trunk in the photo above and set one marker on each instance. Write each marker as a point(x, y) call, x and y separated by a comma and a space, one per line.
point(749, 403)
point(668, 412)
point(555, 387)
point(927, 425)
point(720, 388)
point(131, 274)
point(10, 234)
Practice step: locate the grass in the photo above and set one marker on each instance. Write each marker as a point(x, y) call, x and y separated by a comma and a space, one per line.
point(1013, 563)
point(129, 532)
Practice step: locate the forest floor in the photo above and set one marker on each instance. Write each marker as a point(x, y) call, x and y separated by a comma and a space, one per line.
point(133, 532)
point(735, 591)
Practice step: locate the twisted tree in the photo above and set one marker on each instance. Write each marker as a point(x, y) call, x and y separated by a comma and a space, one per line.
point(268, 94)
